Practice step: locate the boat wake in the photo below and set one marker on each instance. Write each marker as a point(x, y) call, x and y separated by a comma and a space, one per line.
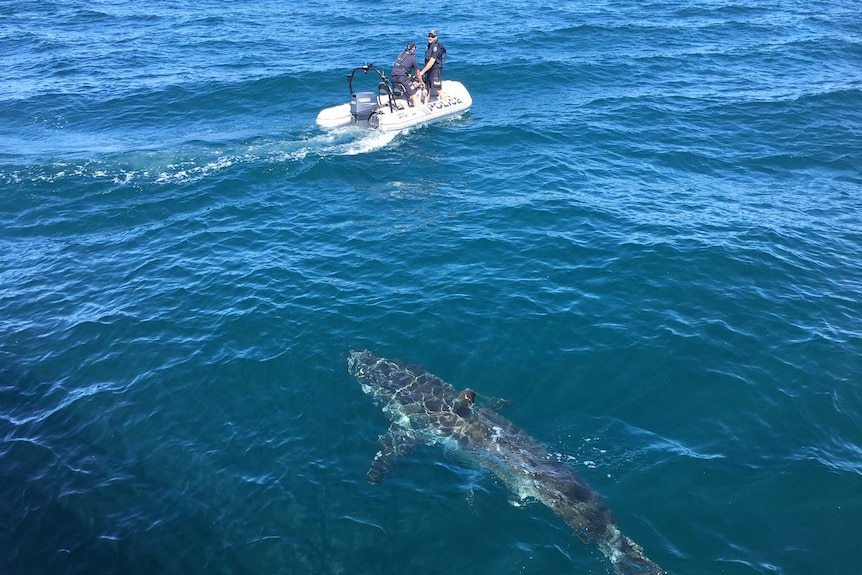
point(195, 160)
point(349, 141)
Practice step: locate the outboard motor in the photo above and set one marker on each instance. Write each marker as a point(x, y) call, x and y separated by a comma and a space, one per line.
point(362, 105)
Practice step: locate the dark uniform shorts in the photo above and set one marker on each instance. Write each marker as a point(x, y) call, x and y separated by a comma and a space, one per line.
point(409, 87)
point(433, 80)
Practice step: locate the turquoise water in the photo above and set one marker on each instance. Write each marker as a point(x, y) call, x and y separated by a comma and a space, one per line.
point(646, 234)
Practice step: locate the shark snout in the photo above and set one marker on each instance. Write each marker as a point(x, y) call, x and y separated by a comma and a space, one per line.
point(359, 361)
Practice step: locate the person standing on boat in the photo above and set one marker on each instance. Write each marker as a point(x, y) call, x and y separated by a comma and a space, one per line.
point(432, 72)
point(401, 72)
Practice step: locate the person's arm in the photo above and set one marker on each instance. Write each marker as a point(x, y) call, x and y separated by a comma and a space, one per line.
point(419, 74)
point(428, 66)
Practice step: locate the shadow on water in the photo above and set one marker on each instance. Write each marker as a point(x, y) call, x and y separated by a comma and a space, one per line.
point(81, 492)
point(60, 493)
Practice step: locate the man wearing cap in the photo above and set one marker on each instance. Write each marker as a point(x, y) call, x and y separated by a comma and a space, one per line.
point(432, 72)
point(405, 62)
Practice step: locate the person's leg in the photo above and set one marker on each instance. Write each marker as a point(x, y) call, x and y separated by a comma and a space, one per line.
point(437, 83)
point(426, 78)
point(409, 89)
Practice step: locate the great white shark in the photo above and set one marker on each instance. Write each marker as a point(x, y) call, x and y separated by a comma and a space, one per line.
point(425, 410)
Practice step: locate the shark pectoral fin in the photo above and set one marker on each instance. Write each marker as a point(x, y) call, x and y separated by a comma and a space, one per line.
point(394, 444)
point(496, 403)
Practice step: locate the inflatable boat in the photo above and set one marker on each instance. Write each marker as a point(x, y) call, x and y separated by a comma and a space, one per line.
point(389, 110)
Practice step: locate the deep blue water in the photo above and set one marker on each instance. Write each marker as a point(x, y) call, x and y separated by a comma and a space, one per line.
point(646, 234)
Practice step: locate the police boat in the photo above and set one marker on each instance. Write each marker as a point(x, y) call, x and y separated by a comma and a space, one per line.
point(389, 110)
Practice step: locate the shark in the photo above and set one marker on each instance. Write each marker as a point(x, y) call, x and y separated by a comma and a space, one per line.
point(425, 410)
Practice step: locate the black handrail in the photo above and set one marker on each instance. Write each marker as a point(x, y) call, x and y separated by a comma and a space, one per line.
point(383, 82)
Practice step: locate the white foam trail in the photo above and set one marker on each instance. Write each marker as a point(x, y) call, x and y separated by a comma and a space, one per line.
point(373, 141)
point(194, 161)
point(347, 141)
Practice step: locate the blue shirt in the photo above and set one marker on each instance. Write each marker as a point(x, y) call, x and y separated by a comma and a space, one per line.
point(405, 62)
point(437, 51)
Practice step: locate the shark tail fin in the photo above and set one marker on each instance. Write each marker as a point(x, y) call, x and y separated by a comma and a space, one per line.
point(628, 557)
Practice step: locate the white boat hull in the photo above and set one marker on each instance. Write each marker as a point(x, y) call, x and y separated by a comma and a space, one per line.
point(385, 119)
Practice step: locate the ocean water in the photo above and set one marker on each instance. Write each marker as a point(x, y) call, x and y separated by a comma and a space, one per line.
point(646, 234)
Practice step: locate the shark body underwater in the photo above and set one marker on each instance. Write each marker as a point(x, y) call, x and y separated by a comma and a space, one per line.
point(425, 410)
